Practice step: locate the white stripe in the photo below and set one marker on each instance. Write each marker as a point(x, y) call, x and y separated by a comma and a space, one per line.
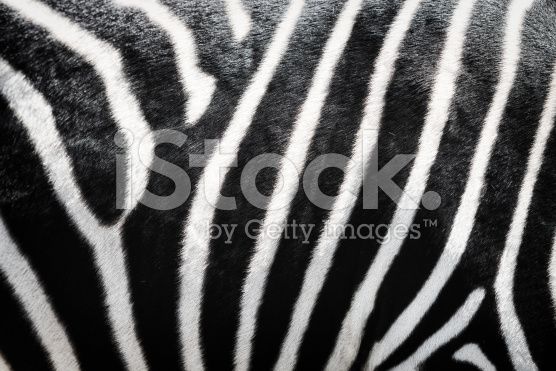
point(239, 19)
point(196, 240)
point(282, 196)
point(504, 283)
point(552, 275)
point(344, 203)
point(198, 86)
point(455, 325)
point(465, 215)
point(472, 354)
point(107, 62)
point(4, 365)
point(36, 115)
point(362, 305)
point(35, 302)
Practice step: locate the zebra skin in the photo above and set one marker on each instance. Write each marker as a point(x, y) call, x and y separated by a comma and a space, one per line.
point(453, 101)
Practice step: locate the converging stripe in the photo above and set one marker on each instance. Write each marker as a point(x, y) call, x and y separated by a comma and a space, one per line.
point(35, 114)
point(472, 354)
point(362, 305)
point(26, 286)
point(455, 325)
point(196, 240)
point(465, 215)
point(107, 62)
point(198, 85)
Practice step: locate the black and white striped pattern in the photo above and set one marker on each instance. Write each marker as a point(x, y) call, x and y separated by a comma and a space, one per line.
point(468, 86)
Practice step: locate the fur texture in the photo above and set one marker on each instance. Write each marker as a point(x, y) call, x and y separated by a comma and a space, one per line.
point(466, 86)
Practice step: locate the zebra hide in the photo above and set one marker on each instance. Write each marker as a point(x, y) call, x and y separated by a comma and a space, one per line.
point(277, 184)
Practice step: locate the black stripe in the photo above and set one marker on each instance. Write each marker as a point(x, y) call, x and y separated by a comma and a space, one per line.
point(18, 343)
point(79, 105)
point(403, 116)
point(339, 123)
point(60, 257)
point(475, 90)
point(505, 175)
point(269, 133)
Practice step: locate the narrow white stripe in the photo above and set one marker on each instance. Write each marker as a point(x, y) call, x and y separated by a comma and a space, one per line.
point(362, 305)
point(279, 205)
point(4, 365)
point(35, 302)
point(198, 86)
point(552, 275)
point(107, 62)
point(196, 240)
point(504, 283)
point(36, 115)
point(465, 215)
point(344, 203)
point(455, 325)
point(472, 354)
point(239, 19)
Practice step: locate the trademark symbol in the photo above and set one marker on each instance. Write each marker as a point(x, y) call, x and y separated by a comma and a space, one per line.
point(429, 223)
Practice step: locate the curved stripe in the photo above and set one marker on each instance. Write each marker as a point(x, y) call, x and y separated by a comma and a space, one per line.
point(282, 196)
point(345, 202)
point(198, 86)
point(35, 114)
point(29, 292)
point(552, 275)
point(362, 305)
point(107, 62)
point(455, 325)
point(472, 354)
point(196, 240)
point(240, 20)
point(504, 283)
point(465, 215)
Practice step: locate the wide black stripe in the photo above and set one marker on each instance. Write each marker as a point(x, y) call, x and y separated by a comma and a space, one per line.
point(532, 296)
point(153, 270)
point(79, 106)
point(145, 47)
point(269, 133)
point(338, 125)
point(403, 116)
point(59, 255)
point(18, 342)
point(507, 168)
point(153, 238)
point(474, 92)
